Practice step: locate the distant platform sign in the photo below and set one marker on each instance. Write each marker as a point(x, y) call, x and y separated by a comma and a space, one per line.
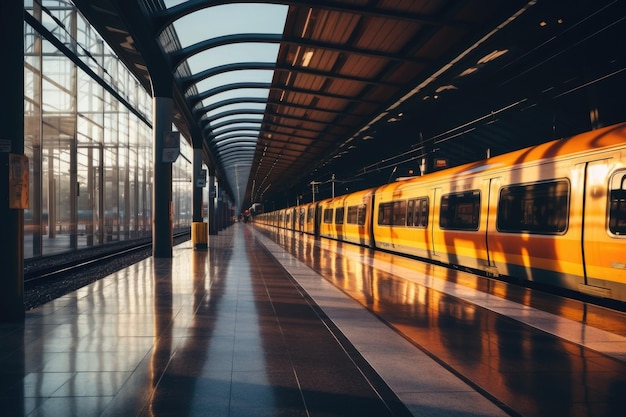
point(171, 146)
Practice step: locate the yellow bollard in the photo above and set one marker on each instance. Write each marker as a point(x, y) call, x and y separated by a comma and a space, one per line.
point(200, 235)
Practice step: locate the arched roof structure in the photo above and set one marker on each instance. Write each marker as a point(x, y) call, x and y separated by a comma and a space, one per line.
point(279, 93)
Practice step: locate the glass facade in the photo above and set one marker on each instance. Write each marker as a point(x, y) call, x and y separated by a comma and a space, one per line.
point(90, 148)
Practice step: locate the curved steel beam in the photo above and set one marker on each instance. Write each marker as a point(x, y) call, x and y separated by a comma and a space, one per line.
point(239, 151)
point(234, 141)
point(195, 99)
point(178, 57)
point(257, 100)
point(216, 141)
point(234, 160)
point(188, 82)
point(166, 17)
point(250, 124)
point(233, 129)
point(229, 101)
point(205, 123)
point(227, 113)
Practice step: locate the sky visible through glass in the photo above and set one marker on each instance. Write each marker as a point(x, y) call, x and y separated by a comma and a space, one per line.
point(223, 20)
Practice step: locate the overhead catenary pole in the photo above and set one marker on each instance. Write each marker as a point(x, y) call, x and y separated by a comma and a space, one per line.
point(313, 185)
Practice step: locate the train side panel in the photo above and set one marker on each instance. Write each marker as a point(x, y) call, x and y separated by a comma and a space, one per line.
point(562, 222)
point(554, 213)
point(282, 214)
point(300, 215)
point(327, 219)
point(434, 218)
point(604, 240)
point(402, 216)
point(536, 231)
point(459, 222)
point(358, 213)
point(309, 218)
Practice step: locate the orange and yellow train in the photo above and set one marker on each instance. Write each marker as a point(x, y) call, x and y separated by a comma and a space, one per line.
point(553, 214)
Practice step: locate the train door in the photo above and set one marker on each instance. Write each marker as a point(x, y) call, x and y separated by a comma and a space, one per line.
point(300, 212)
point(318, 220)
point(604, 225)
point(490, 212)
point(435, 235)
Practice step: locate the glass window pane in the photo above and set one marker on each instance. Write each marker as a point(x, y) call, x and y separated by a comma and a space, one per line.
point(534, 208)
point(460, 211)
point(617, 210)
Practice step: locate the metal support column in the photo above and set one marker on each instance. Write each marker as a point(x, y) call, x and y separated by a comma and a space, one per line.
point(162, 240)
point(11, 154)
point(212, 203)
point(198, 186)
point(199, 229)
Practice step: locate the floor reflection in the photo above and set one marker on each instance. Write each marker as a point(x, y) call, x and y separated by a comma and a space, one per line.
point(533, 372)
point(183, 338)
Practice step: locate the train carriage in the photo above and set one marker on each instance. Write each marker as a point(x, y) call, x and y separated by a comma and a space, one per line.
point(554, 213)
point(441, 216)
point(332, 218)
point(358, 215)
point(401, 217)
point(310, 213)
point(557, 217)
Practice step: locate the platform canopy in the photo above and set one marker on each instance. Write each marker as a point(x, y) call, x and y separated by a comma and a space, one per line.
point(286, 94)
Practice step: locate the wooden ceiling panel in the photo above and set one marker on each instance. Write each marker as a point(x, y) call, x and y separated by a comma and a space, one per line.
point(403, 74)
point(363, 67)
point(369, 55)
point(387, 35)
point(333, 26)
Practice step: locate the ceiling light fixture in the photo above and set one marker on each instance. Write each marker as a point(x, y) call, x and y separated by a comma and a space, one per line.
point(306, 58)
point(492, 56)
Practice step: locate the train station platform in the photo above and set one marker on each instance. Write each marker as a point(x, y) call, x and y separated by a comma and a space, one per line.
point(271, 324)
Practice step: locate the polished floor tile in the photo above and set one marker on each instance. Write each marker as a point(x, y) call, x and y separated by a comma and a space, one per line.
point(533, 353)
point(279, 324)
point(222, 332)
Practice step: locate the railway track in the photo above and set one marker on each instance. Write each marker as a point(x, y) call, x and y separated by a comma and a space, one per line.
point(51, 277)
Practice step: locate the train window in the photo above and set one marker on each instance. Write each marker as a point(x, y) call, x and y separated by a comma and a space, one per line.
point(361, 215)
point(310, 215)
point(617, 210)
point(356, 215)
point(384, 214)
point(399, 213)
point(392, 213)
point(353, 212)
point(410, 208)
point(328, 216)
point(534, 208)
point(460, 211)
point(417, 212)
point(339, 215)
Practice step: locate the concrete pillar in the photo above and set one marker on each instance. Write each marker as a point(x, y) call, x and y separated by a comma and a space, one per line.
point(11, 158)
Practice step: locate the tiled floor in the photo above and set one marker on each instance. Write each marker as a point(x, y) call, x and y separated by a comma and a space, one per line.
point(235, 331)
point(534, 353)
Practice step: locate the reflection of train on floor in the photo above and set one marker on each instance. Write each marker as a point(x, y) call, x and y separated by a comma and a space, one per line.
point(553, 214)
